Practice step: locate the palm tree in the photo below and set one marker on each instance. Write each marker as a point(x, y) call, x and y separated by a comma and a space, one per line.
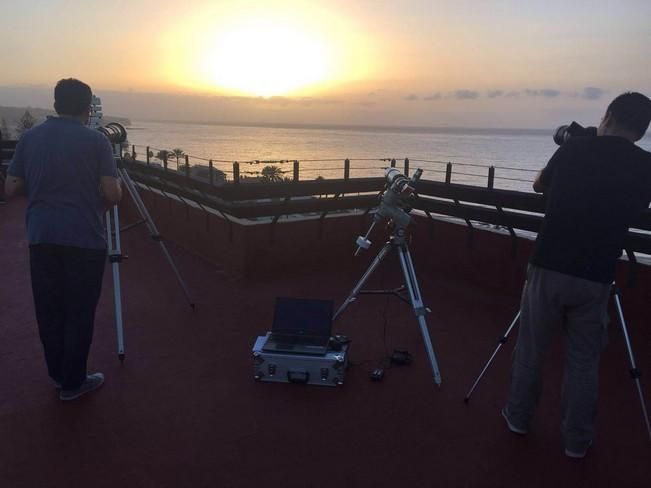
point(163, 155)
point(272, 174)
point(178, 152)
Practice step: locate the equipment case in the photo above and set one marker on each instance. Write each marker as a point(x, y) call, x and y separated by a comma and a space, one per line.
point(326, 370)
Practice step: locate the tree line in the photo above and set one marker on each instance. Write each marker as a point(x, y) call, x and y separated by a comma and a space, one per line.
point(24, 123)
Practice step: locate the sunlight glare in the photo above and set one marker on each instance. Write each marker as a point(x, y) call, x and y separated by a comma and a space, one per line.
point(263, 58)
point(278, 48)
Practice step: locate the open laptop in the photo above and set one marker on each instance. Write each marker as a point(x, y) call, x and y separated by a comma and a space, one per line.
point(300, 326)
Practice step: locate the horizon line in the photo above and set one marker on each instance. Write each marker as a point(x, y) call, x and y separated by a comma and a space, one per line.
point(361, 127)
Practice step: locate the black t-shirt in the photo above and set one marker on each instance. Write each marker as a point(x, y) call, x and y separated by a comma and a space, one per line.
point(595, 188)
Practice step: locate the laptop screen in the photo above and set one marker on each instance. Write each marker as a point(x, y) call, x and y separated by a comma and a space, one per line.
point(302, 316)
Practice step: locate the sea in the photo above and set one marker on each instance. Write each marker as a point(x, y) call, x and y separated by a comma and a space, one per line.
point(516, 154)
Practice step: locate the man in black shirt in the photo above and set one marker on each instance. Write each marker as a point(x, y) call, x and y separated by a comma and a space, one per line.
point(595, 187)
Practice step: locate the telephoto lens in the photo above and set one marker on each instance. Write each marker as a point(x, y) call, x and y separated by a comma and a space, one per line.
point(565, 132)
point(116, 133)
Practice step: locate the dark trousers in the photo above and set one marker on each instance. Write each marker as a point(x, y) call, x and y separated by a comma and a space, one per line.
point(555, 303)
point(66, 284)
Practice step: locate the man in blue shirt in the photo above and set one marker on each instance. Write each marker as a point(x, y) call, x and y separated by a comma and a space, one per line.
point(70, 178)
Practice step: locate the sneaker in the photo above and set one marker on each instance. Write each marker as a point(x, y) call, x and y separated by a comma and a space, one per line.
point(577, 454)
point(512, 428)
point(92, 382)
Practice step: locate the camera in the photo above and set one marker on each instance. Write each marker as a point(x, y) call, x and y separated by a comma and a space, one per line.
point(114, 132)
point(565, 132)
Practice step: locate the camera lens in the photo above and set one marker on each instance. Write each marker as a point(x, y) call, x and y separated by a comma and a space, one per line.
point(115, 132)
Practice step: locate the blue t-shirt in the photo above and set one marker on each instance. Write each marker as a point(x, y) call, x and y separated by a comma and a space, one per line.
point(61, 162)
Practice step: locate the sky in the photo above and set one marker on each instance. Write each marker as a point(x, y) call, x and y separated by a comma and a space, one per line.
point(454, 63)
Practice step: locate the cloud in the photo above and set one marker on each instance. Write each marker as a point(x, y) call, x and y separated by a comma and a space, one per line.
point(412, 97)
point(494, 93)
point(466, 94)
point(592, 93)
point(433, 96)
point(311, 101)
point(545, 92)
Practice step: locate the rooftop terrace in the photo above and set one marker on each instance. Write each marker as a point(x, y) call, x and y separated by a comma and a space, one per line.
point(184, 411)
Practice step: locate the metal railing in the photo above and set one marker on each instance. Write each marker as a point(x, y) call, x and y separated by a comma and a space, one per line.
point(505, 208)
point(277, 170)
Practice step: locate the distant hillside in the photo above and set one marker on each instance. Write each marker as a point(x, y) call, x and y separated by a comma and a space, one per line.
point(11, 115)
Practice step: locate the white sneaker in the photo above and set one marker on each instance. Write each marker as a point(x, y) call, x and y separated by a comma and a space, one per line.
point(574, 454)
point(91, 383)
point(512, 428)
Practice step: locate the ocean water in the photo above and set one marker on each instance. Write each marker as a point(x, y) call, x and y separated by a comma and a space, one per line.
point(517, 155)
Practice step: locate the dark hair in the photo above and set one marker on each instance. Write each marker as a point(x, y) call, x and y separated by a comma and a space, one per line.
point(72, 97)
point(632, 111)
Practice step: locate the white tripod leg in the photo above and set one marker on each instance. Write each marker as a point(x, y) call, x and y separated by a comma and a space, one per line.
point(115, 256)
point(353, 294)
point(419, 308)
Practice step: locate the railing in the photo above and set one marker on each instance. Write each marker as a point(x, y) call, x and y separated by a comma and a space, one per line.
point(333, 168)
point(505, 208)
point(274, 196)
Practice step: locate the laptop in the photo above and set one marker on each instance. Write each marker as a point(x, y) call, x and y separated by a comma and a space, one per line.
point(300, 326)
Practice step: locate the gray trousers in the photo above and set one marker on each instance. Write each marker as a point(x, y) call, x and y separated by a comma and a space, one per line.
point(554, 303)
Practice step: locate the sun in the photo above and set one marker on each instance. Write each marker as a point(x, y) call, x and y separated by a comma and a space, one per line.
point(275, 48)
point(262, 58)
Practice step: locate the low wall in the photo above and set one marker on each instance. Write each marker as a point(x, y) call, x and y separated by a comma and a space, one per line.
point(481, 257)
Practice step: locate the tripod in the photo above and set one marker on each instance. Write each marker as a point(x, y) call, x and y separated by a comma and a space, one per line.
point(633, 371)
point(398, 242)
point(115, 255)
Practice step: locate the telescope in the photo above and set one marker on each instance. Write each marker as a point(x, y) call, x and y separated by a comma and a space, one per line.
point(394, 206)
point(393, 203)
point(114, 132)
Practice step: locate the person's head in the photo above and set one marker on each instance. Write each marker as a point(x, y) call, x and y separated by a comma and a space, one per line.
point(628, 116)
point(72, 98)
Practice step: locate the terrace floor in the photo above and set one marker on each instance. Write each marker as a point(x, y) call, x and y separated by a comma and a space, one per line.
point(183, 410)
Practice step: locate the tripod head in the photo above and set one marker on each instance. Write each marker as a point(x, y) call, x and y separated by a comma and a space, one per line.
point(394, 205)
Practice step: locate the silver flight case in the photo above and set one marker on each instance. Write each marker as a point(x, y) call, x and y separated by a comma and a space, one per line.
point(285, 367)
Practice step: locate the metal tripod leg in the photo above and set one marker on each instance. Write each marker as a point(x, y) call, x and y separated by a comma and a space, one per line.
point(153, 231)
point(635, 373)
point(419, 307)
point(114, 257)
point(353, 294)
point(502, 340)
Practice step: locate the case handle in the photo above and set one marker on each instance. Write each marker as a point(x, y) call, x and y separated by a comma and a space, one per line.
point(298, 376)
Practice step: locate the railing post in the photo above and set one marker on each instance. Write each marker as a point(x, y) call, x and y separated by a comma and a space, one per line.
point(296, 170)
point(491, 177)
point(187, 165)
point(236, 172)
point(147, 155)
point(448, 172)
point(406, 166)
point(347, 169)
point(165, 161)
point(133, 151)
point(211, 177)
point(393, 163)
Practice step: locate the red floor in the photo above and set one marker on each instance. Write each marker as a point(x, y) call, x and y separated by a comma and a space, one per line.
point(183, 410)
